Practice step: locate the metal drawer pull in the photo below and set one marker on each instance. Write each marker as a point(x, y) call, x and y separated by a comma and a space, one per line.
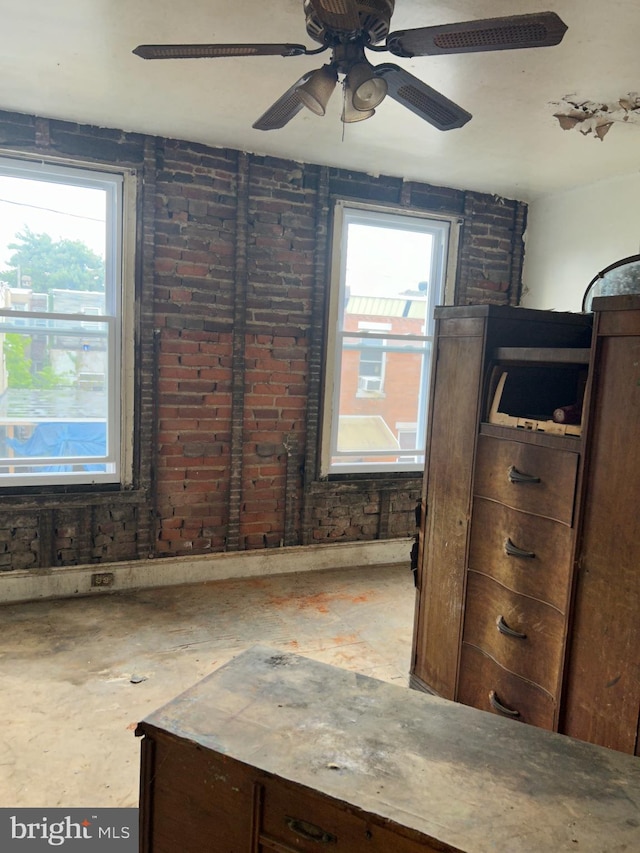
point(310, 831)
point(513, 551)
point(516, 476)
point(500, 708)
point(507, 631)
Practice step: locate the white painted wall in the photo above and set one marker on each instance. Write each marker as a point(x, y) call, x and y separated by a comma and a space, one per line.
point(573, 235)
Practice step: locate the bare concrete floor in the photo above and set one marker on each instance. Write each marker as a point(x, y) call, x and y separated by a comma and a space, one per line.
point(77, 675)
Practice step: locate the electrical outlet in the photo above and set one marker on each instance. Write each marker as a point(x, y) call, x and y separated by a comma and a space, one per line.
point(102, 579)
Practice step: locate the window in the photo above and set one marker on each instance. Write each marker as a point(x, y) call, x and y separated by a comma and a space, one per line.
point(65, 337)
point(389, 272)
point(372, 360)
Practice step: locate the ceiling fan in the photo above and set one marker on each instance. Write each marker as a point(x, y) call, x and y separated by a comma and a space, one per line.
point(349, 27)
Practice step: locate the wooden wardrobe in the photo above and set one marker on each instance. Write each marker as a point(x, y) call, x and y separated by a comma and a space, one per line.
point(528, 601)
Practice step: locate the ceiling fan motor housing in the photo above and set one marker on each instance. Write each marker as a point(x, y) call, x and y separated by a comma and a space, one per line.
point(375, 21)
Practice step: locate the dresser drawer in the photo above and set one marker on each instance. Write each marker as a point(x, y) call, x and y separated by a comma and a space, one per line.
point(527, 477)
point(526, 553)
point(484, 684)
point(523, 635)
point(296, 819)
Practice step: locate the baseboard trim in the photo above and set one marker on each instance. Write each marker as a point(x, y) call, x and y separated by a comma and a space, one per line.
point(71, 581)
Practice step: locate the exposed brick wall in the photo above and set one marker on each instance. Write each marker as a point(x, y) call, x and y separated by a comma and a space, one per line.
point(18, 541)
point(363, 509)
point(230, 293)
point(491, 255)
point(281, 255)
point(193, 277)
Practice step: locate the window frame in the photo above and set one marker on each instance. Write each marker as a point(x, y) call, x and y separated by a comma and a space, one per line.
point(344, 212)
point(120, 186)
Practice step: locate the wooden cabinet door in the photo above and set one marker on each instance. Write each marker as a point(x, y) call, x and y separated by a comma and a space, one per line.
point(453, 430)
point(602, 699)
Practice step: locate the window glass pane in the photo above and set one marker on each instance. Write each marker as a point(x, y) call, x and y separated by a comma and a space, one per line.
point(52, 235)
point(375, 418)
point(371, 365)
point(56, 402)
point(387, 274)
point(59, 298)
point(392, 270)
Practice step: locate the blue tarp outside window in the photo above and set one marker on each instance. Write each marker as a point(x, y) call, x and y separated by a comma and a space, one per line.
point(61, 439)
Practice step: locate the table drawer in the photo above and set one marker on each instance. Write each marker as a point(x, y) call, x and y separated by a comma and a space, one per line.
point(296, 819)
point(526, 553)
point(484, 684)
point(523, 635)
point(527, 477)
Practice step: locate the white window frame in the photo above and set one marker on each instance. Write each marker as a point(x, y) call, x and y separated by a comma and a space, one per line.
point(119, 185)
point(443, 268)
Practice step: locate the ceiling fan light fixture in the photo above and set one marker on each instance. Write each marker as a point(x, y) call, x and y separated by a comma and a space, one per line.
point(350, 116)
point(349, 113)
point(368, 90)
point(315, 93)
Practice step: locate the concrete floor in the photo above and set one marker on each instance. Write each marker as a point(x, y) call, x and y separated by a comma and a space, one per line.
point(77, 675)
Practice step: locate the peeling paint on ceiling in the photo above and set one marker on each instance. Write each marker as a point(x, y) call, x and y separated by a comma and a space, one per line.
point(596, 119)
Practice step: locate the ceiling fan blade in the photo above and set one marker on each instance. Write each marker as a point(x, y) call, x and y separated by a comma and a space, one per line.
point(337, 14)
point(421, 99)
point(209, 51)
point(284, 109)
point(542, 29)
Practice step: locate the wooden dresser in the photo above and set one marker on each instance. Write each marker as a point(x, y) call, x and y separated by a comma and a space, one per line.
point(275, 752)
point(512, 614)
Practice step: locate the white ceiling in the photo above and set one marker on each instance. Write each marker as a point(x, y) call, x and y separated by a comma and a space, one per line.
point(72, 60)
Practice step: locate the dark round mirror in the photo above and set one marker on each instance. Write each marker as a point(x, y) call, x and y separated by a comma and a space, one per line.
point(621, 277)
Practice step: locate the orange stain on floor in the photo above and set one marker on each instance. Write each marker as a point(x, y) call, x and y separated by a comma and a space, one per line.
point(346, 640)
point(319, 601)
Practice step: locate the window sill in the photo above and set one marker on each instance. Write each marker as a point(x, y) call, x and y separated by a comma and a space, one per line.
point(382, 480)
point(14, 498)
point(370, 395)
